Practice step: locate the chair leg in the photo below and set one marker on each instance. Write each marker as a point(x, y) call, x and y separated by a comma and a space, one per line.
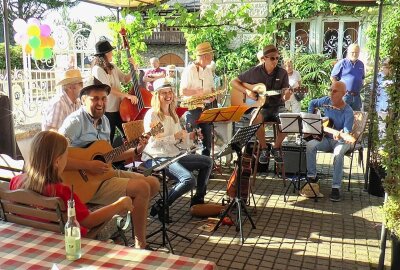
point(351, 165)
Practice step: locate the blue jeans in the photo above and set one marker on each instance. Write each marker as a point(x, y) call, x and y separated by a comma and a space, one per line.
point(191, 117)
point(338, 148)
point(354, 101)
point(181, 172)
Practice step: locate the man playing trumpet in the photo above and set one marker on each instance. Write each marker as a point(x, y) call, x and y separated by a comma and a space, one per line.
point(197, 80)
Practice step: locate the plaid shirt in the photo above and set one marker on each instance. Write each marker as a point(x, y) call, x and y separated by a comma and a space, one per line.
point(58, 108)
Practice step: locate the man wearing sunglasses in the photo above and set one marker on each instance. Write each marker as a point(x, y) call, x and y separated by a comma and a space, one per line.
point(274, 78)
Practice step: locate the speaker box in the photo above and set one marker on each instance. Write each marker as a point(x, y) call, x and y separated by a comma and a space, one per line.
point(291, 155)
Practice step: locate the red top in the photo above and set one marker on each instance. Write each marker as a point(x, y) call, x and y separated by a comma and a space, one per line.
point(61, 191)
point(149, 85)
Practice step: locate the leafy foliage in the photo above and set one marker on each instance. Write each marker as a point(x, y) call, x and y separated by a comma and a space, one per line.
point(15, 57)
point(391, 159)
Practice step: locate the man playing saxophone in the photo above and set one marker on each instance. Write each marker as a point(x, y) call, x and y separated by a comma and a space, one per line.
point(197, 81)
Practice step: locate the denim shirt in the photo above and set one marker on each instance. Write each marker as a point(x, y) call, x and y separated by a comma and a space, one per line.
point(80, 131)
point(341, 118)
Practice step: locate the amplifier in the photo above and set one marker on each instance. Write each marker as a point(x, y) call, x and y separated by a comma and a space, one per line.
point(291, 154)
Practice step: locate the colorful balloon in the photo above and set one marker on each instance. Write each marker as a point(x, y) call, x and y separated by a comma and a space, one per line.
point(47, 53)
point(45, 30)
point(38, 54)
point(34, 42)
point(51, 42)
point(18, 38)
point(19, 25)
point(33, 30)
point(28, 49)
point(33, 21)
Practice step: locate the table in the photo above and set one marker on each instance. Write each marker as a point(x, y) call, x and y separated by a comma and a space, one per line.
point(23, 247)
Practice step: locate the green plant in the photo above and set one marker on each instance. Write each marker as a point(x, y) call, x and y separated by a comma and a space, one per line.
point(391, 157)
point(15, 57)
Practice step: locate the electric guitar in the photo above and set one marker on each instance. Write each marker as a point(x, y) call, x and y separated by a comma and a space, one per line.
point(238, 98)
point(85, 183)
point(327, 128)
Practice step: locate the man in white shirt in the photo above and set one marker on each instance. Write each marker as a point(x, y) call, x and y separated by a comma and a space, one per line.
point(63, 103)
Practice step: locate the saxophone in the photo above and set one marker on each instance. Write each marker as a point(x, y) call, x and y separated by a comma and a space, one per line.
point(198, 102)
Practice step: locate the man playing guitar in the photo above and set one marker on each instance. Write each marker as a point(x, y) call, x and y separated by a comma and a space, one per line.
point(342, 117)
point(274, 78)
point(89, 124)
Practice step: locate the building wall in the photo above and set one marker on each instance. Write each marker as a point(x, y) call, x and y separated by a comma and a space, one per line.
point(160, 50)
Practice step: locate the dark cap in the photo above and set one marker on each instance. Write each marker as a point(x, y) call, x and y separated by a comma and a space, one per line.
point(92, 83)
point(269, 49)
point(103, 47)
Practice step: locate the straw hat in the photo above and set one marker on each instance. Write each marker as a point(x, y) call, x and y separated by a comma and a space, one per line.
point(203, 48)
point(171, 68)
point(93, 83)
point(161, 84)
point(306, 191)
point(70, 76)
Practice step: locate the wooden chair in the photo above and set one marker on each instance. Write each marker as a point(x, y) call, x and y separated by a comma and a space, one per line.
point(360, 122)
point(133, 130)
point(31, 209)
point(10, 167)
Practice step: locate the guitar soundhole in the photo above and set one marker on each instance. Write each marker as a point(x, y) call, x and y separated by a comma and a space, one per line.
point(99, 157)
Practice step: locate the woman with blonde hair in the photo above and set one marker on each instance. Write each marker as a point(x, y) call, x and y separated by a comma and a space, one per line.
point(45, 166)
point(293, 104)
point(164, 146)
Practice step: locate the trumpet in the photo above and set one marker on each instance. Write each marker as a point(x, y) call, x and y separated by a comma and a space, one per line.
point(198, 101)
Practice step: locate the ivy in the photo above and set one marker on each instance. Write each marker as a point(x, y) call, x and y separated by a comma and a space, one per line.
point(15, 57)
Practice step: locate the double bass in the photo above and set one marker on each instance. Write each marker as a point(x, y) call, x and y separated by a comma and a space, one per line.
point(127, 110)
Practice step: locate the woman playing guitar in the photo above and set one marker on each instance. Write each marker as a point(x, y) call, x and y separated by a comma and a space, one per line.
point(106, 72)
point(164, 146)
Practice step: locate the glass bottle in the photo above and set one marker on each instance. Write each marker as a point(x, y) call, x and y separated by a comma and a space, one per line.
point(72, 234)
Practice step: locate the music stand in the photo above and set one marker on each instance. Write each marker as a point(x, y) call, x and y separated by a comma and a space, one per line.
point(164, 230)
point(226, 115)
point(238, 141)
point(300, 123)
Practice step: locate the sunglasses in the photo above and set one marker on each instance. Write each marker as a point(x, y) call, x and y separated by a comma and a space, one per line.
point(273, 58)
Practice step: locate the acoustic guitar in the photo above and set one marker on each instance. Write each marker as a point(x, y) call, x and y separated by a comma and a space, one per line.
point(239, 99)
point(85, 183)
point(327, 128)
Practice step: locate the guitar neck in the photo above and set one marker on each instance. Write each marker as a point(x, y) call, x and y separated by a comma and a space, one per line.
point(345, 136)
point(110, 156)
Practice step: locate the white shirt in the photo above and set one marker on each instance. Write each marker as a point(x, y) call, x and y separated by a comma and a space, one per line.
point(294, 79)
point(114, 80)
point(196, 77)
point(163, 144)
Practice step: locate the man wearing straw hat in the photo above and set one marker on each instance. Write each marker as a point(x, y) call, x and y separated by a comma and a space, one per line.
point(197, 80)
point(65, 102)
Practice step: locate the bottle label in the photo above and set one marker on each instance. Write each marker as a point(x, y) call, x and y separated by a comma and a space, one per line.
point(73, 246)
point(71, 212)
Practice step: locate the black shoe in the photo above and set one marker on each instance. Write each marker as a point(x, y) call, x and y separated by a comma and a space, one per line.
point(148, 247)
point(335, 195)
point(276, 153)
point(313, 179)
point(264, 156)
point(161, 216)
point(156, 208)
point(196, 200)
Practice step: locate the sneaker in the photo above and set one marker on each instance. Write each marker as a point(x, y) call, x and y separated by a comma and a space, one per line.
point(264, 156)
point(276, 153)
point(335, 195)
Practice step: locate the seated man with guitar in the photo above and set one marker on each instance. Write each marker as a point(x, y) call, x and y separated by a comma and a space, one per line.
point(90, 170)
point(339, 139)
point(274, 78)
point(165, 145)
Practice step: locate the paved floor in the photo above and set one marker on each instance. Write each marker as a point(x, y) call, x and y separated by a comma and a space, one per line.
point(297, 234)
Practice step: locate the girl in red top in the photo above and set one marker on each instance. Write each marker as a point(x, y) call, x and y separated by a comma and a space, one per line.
point(44, 168)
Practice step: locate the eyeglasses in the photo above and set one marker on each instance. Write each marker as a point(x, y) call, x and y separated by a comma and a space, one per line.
point(273, 58)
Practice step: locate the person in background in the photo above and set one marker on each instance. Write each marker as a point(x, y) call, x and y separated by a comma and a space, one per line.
point(154, 73)
point(106, 72)
point(293, 104)
point(172, 77)
point(342, 118)
point(43, 175)
point(88, 125)
point(260, 57)
point(63, 103)
point(197, 80)
point(351, 71)
point(163, 146)
point(383, 81)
